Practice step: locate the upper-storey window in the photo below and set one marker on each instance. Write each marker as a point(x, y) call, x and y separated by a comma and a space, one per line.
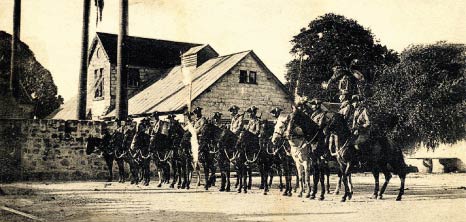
point(134, 78)
point(249, 77)
point(98, 83)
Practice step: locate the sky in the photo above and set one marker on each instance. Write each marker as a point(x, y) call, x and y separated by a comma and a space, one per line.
point(52, 28)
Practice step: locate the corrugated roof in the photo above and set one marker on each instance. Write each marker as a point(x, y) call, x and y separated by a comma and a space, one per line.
point(170, 94)
point(146, 52)
point(66, 111)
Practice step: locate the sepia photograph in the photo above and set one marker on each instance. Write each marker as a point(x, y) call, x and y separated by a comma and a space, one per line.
point(233, 110)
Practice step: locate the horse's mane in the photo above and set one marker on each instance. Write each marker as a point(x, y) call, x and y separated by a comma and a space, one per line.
point(302, 120)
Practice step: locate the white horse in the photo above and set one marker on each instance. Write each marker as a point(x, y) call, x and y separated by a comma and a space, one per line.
point(299, 152)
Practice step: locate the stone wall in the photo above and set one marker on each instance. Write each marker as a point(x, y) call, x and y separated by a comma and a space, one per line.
point(265, 94)
point(50, 149)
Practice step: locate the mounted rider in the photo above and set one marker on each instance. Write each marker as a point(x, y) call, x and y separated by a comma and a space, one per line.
point(318, 114)
point(361, 122)
point(346, 108)
point(237, 120)
point(254, 125)
point(199, 120)
point(350, 79)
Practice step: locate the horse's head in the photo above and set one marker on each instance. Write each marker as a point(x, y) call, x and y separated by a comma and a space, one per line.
point(92, 144)
point(334, 123)
point(280, 128)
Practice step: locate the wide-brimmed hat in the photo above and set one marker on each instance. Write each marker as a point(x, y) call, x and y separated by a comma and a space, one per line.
point(252, 109)
point(155, 114)
point(197, 110)
point(357, 98)
point(233, 108)
point(315, 101)
point(276, 111)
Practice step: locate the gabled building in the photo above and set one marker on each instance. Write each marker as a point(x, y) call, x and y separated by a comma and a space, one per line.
point(164, 76)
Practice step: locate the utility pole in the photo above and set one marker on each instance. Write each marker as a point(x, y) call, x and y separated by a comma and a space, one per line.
point(122, 74)
point(82, 93)
point(15, 39)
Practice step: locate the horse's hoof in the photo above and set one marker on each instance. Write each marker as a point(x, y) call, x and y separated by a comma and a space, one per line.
point(328, 192)
point(380, 197)
point(249, 187)
point(350, 195)
point(159, 185)
point(261, 187)
point(285, 194)
point(398, 198)
point(281, 189)
point(343, 200)
point(312, 197)
point(172, 186)
point(187, 187)
point(374, 197)
point(265, 193)
point(221, 189)
point(300, 195)
point(336, 192)
point(290, 194)
point(227, 189)
point(239, 191)
point(309, 196)
point(321, 198)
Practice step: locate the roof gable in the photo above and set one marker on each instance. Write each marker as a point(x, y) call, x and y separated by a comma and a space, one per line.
point(144, 52)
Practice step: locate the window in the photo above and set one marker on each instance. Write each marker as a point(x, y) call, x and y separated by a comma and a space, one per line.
point(99, 83)
point(249, 77)
point(133, 78)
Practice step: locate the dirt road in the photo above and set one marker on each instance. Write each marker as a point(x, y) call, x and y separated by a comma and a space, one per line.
point(430, 197)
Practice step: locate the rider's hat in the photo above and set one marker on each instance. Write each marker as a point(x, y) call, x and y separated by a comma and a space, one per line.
point(233, 108)
point(315, 101)
point(197, 110)
point(171, 116)
point(357, 98)
point(252, 109)
point(155, 114)
point(276, 111)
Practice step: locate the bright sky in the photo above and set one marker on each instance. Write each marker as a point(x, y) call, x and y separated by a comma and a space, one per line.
point(52, 28)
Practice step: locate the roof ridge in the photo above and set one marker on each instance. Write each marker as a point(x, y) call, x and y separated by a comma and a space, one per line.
point(148, 38)
point(235, 53)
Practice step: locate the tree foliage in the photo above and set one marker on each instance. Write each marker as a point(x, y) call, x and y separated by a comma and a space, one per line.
point(333, 40)
point(37, 81)
point(423, 98)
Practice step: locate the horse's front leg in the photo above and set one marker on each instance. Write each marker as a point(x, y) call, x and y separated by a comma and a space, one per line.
point(109, 162)
point(337, 189)
point(299, 173)
point(121, 170)
point(307, 177)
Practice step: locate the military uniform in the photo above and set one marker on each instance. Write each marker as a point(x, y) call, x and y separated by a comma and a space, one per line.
point(237, 123)
point(361, 125)
point(318, 117)
point(346, 109)
point(254, 126)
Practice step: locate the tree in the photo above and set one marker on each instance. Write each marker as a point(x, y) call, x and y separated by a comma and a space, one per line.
point(37, 81)
point(424, 96)
point(330, 40)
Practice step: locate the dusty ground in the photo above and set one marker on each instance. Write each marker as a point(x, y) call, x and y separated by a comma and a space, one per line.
point(427, 198)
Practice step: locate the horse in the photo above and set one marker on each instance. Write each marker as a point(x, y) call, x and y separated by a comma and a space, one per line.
point(165, 148)
point(102, 145)
point(307, 149)
point(226, 155)
point(122, 155)
point(379, 152)
point(281, 159)
point(140, 152)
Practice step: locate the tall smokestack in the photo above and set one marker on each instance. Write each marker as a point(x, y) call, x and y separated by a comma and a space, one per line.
point(82, 93)
point(14, 75)
point(122, 74)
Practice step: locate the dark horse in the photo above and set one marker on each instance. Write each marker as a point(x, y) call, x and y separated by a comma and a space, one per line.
point(226, 155)
point(208, 139)
point(378, 152)
point(164, 147)
point(107, 151)
point(139, 150)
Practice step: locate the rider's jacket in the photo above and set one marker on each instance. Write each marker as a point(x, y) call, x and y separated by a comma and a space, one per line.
point(318, 117)
point(199, 124)
point(254, 126)
point(346, 109)
point(361, 118)
point(237, 123)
